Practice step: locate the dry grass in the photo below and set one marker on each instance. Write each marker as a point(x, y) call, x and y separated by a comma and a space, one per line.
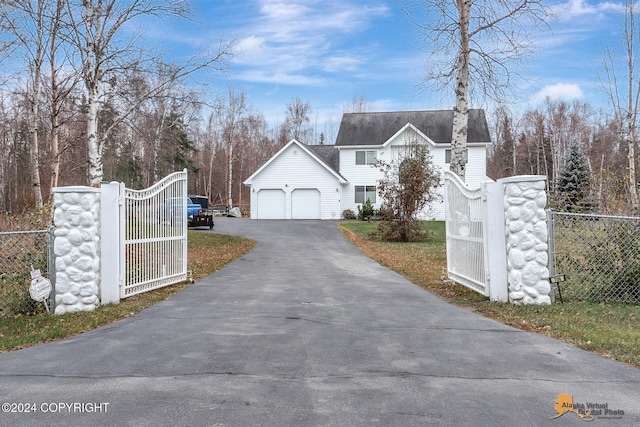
point(207, 253)
point(611, 330)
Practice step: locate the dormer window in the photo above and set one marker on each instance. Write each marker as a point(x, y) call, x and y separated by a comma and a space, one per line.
point(366, 157)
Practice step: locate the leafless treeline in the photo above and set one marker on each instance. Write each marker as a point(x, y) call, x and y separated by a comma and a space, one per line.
point(538, 141)
point(82, 100)
point(220, 143)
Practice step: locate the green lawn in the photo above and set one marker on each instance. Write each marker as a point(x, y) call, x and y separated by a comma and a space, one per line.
point(612, 330)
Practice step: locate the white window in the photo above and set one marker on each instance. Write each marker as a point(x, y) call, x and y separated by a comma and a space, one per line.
point(364, 192)
point(365, 157)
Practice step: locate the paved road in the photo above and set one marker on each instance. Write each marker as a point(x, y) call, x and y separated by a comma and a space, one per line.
point(306, 331)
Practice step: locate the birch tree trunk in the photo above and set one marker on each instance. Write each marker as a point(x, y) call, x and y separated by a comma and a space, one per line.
point(33, 148)
point(460, 111)
point(632, 104)
point(91, 75)
point(55, 125)
point(56, 100)
point(230, 177)
point(475, 41)
point(631, 146)
point(94, 146)
point(35, 104)
point(105, 55)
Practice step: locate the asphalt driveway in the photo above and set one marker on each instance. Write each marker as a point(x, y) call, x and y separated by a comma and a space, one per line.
point(306, 331)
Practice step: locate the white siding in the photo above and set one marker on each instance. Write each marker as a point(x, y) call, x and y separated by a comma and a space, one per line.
point(358, 175)
point(368, 175)
point(295, 168)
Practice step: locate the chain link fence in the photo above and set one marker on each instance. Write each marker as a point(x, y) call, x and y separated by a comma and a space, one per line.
point(19, 252)
point(598, 255)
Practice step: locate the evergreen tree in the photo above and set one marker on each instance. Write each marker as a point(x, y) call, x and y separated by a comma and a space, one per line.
point(572, 186)
point(176, 149)
point(129, 167)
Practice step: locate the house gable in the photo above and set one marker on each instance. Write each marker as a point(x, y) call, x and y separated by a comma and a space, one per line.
point(295, 183)
point(314, 155)
point(407, 135)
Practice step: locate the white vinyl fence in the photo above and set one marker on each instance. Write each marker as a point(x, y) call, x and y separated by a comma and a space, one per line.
point(497, 238)
point(112, 242)
point(153, 235)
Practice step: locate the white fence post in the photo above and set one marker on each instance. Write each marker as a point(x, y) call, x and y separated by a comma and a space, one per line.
point(525, 200)
point(110, 243)
point(77, 248)
point(496, 242)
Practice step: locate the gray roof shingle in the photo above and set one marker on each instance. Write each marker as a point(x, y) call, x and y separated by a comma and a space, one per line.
point(377, 128)
point(328, 153)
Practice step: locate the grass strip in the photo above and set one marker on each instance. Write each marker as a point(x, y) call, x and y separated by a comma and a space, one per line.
point(207, 253)
point(611, 330)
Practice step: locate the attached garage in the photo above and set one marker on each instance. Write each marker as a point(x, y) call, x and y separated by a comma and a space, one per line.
point(305, 203)
point(271, 204)
point(299, 182)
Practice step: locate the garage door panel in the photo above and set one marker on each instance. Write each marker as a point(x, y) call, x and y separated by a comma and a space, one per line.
point(305, 203)
point(271, 204)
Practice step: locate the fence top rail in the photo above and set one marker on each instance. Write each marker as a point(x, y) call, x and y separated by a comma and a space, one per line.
point(7, 233)
point(469, 192)
point(156, 188)
point(582, 215)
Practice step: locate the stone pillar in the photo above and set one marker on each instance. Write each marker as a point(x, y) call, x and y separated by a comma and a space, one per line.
point(77, 248)
point(525, 199)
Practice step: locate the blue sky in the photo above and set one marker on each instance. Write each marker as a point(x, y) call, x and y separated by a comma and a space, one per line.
point(327, 52)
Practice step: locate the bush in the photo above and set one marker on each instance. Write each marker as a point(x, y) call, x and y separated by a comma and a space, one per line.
point(402, 231)
point(348, 214)
point(367, 211)
point(407, 188)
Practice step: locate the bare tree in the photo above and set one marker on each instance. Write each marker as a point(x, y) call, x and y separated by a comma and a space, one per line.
point(624, 95)
point(501, 161)
point(230, 113)
point(473, 44)
point(26, 21)
point(297, 115)
point(105, 54)
point(358, 105)
point(62, 85)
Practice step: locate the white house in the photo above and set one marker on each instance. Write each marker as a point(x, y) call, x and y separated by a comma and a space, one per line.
point(321, 181)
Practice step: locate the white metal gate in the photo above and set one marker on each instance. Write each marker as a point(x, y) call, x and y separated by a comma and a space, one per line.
point(466, 228)
point(153, 235)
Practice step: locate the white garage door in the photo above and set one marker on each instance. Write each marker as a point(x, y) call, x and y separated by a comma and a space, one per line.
point(305, 203)
point(271, 204)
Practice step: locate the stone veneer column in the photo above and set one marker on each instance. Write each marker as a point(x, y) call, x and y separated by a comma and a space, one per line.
point(77, 248)
point(525, 200)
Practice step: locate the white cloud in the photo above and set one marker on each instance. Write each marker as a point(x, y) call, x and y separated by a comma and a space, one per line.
point(279, 78)
point(564, 91)
point(580, 8)
point(281, 11)
point(249, 45)
point(337, 63)
point(300, 37)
